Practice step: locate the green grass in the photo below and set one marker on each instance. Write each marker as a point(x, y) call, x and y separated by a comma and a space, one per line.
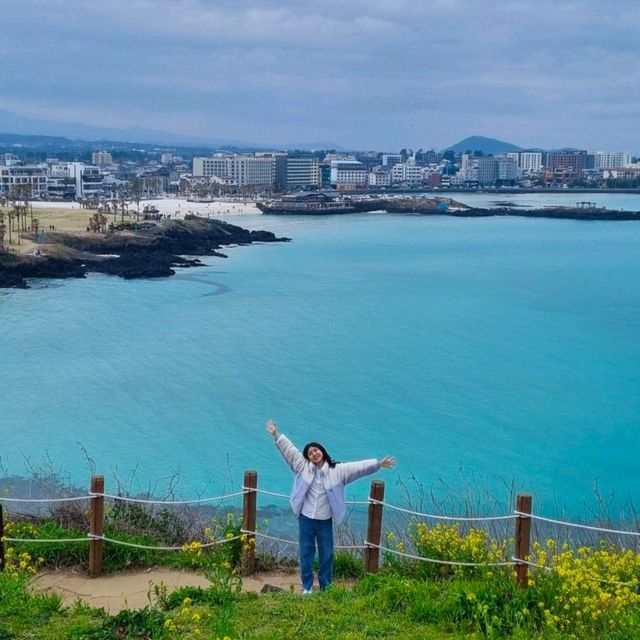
point(338, 613)
point(581, 598)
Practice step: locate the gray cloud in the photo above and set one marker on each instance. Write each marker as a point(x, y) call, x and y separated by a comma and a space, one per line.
point(366, 74)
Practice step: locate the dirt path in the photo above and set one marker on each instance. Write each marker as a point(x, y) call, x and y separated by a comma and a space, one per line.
point(131, 590)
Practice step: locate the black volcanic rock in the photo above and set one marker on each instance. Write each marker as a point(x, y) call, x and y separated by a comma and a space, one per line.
point(14, 271)
point(148, 252)
point(11, 279)
point(557, 213)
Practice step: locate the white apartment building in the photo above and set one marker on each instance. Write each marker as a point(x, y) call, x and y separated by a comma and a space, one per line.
point(511, 155)
point(530, 161)
point(405, 172)
point(235, 170)
point(88, 179)
point(33, 177)
point(379, 178)
point(217, 165)
point(611, 160)
point(348, 174)
point(483, 169)
point(101, 159)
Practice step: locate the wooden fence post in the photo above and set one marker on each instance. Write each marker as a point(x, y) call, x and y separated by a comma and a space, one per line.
point(522, 538)
point(1, 541)
point(374, 527)
point(96, 524)
point(249, 504)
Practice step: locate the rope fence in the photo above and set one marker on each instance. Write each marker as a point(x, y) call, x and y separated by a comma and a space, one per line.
point(202, 545)
point(443, 517)
point(45, 540)
point(451, 563)
point(581, 526)
point(522, 518)
point(165, 502)
point(46, 500)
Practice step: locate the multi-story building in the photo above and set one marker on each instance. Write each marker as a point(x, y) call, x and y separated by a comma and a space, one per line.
point(296, 173)
point(507, 170)
point(101, 159)
point(611, 160)
point(630, 173)
point(60, 185)
point(29, 180)
point(511, 155)
point(389, 159)
point(170, 158)
point(487, 170)
point(427, 157)
point(236, 170)
point(407, 173)
point(88, 179)
point(530, 161)
point(379, 177)
point(434, 179)
point(348, 174)
point(566, 165)
point(217, 165)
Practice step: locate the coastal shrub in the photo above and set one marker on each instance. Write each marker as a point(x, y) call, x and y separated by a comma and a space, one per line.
point(190, 621)
point(587, 590)
point(53, 554)
point(220, 557)
point(117, 557)
point(447, 543)
point(147, 623)
point(347, 565)
point(572, 592)
point(162, 524)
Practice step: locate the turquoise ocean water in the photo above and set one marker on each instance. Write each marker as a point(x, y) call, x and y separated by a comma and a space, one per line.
point(496, 349)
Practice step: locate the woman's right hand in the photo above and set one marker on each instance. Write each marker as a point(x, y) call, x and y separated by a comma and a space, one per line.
point(272, 428)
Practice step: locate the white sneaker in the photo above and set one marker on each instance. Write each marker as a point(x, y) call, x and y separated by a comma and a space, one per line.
point(307, 592)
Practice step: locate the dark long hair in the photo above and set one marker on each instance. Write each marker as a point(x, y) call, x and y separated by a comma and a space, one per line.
point(329, 460)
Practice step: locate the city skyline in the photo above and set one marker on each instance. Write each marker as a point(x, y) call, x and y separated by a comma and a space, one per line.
point(362, 75)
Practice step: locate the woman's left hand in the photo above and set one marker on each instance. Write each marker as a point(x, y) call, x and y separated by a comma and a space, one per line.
point(388, 462)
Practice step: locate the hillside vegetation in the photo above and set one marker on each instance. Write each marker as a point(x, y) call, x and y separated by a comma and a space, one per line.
point(574, 592)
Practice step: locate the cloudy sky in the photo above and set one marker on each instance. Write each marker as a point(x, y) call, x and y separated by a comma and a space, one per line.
point(367, 74)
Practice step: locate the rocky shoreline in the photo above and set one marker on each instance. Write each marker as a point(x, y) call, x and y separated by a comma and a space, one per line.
point(558, 213)
point(147, 251)
point(449, 207)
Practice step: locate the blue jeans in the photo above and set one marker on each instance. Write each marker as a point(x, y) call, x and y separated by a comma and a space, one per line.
point(311, 531)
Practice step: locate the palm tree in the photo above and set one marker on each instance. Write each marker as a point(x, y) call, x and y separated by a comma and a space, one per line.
point(3, 229)
point(12, 215)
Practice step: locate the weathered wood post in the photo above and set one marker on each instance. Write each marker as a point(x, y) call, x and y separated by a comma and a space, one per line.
point(522, 538)
point(96, 526)
point(249, 504)
point(1, 539)
point(374, 527)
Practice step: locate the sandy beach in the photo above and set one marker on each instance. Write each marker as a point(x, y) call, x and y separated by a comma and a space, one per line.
point(70, 217)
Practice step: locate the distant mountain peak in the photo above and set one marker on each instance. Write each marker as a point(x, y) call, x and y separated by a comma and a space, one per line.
point(484, 144)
